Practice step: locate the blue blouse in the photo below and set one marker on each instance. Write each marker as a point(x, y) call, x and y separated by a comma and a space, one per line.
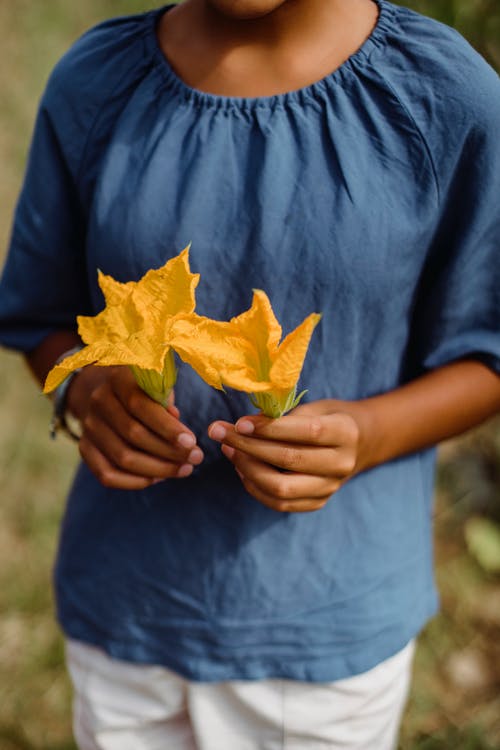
point(371, 196)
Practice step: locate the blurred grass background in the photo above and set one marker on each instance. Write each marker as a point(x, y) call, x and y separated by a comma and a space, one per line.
point(455, 700)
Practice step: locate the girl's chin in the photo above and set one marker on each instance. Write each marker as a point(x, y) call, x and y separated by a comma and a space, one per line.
point(245, 9)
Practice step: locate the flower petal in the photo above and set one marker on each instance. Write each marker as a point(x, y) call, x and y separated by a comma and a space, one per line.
point(133, 329)
point(136, 351)
point(260, 327)
point(167, 291)
point(133, 351)
point(145, 305)
point(289, 361)
point(114, 323)
point(115, 292)
point(216, 352)
point(87, 356)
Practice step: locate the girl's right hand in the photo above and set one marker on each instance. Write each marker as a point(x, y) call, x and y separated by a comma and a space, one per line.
point(129, 441)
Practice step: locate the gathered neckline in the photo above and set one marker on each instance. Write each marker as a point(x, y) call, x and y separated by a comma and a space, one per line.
point(376, 40)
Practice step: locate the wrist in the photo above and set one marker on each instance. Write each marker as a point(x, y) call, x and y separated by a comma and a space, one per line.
point(364, 417)
point(62, 419)
point(71, 401)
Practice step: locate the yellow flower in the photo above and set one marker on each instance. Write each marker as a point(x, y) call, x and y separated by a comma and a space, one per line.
point(134, 327)
point(245, 354)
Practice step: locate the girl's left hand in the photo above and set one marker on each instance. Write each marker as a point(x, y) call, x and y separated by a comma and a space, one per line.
point(295, 463)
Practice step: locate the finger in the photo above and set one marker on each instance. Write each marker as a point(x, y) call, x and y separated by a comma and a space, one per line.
point(330, 430)
point(280, 485)
point(136, 434)
point(171, 407)
point(304, 505)
point(106, 473)
point(305, 459)
point(154, 416)
point(174, 411)
point(123, 456)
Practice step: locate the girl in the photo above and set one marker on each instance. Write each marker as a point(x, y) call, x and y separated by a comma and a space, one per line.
point(261, 586)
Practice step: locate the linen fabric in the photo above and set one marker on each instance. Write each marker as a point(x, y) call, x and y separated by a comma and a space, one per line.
point(123, 706)
point(370, 196)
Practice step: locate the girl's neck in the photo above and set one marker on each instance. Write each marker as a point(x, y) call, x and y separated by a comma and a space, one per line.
point(299, 42)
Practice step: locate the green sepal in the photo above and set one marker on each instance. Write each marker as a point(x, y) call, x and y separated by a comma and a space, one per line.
point(157, 385)
point(276, 406)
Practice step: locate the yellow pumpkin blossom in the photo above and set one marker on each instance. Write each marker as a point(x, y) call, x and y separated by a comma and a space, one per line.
point(134, 327)
point(245, 353)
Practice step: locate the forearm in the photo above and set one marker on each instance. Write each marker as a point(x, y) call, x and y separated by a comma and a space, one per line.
point(437, 406)
point(43, 358)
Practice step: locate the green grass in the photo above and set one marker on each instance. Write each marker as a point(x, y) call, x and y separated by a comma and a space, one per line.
point(455, 699)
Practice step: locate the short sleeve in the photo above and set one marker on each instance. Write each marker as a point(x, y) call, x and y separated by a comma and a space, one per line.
point(43, 286)
point(44, 283)
point(457, 313)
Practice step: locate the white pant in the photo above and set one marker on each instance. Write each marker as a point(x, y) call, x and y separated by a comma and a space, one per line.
point(124, 706)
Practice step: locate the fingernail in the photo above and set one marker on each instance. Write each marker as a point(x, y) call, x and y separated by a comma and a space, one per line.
point(157, 481)
point(228, 451)
point(245, 427)
point(196, 456)
point(217, 432)
point(185, 440)
point(185, 471)
point(240, 474)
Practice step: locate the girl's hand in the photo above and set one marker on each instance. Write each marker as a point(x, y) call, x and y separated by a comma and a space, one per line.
point(129, 441)
point(295, 463)
point(322, 444)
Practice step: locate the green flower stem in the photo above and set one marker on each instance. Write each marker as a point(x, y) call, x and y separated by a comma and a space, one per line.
point(275, 404)
point(158, 385)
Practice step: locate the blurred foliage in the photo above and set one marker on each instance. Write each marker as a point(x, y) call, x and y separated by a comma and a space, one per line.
point(455, 698)
point(483, 542)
